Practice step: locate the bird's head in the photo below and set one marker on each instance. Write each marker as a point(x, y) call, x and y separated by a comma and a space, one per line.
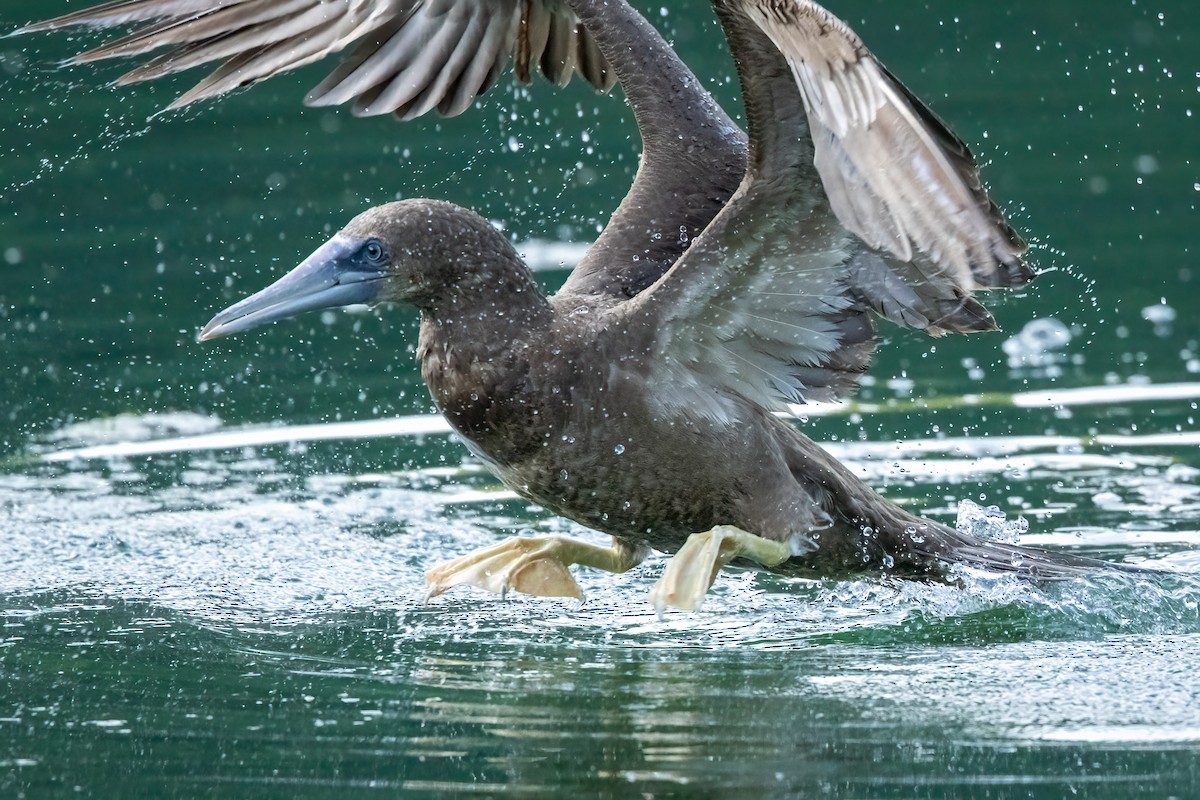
point(402, 252)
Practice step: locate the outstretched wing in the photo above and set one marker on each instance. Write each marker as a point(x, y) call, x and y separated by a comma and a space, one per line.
point(856, 201)
point(894, 174)
point(411, 56)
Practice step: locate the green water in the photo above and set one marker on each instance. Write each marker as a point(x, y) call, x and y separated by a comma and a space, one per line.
point(244, 619)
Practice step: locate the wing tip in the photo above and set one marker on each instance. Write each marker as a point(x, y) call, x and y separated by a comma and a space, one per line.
point(45, 25)
point(1007, 270)
point(1018, 272)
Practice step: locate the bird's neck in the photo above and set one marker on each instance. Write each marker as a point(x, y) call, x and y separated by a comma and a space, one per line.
point(478, 337)
point(485, 305)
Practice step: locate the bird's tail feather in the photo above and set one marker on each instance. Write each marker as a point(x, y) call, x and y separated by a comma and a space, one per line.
point(949, 547)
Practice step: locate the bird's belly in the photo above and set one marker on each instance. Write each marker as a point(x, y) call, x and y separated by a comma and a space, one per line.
point(635, 491)
point(618, 459)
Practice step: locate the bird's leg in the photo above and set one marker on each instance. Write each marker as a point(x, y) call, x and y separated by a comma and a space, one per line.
point(532, 566)
point(693, 569)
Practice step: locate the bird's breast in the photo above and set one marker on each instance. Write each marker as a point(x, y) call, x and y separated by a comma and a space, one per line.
point(493, 405)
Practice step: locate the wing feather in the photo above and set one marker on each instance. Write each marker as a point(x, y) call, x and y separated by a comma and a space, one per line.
point(857, 202)
point(125, 12)
point(437, 50)
point(299, 28)
point(412, 56)
point(864, 123)
point(481, 71)
point(191, 28)
point(558, 58)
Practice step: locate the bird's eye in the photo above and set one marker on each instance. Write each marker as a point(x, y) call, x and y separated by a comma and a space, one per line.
point(374, 252)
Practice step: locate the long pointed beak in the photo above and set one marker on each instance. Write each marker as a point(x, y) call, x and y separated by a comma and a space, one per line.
point(328, 278)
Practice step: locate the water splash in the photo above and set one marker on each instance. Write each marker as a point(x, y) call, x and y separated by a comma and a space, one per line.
point(989, 523)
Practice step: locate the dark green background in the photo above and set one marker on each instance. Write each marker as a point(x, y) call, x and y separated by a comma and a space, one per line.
point(247, 622)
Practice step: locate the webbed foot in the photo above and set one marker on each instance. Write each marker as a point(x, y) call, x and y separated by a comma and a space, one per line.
point(530, 566)
point(693, 569)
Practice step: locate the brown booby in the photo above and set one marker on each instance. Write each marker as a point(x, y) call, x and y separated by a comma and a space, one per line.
point(737, 276)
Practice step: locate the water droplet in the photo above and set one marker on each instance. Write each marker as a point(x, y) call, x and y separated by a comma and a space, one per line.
point(619, 449)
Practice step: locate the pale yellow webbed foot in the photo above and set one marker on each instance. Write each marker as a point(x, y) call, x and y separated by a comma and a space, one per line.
point(693, 569)
point(530, 566)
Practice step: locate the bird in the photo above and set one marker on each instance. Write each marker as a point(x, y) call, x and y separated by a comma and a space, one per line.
point(743, 272)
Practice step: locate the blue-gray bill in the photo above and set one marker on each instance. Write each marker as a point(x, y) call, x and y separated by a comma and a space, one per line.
point(331, 277)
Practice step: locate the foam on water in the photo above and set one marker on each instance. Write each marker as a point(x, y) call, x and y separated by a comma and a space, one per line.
point(129, 428)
